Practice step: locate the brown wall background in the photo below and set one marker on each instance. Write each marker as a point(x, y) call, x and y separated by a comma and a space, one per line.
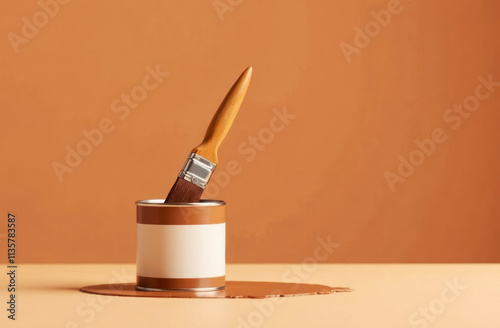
point(321, 175)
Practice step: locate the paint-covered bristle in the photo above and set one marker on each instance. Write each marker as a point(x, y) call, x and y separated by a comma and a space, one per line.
point(184, 192)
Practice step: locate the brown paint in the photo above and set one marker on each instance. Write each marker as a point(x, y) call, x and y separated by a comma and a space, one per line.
point(167, 214)
point(184, 192)
point(178, 283)
point(234, 289)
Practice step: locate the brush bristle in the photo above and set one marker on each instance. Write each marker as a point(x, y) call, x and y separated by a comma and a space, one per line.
point(184, 192)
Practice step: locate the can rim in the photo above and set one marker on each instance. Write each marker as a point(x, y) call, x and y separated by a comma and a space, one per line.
point(160, 202)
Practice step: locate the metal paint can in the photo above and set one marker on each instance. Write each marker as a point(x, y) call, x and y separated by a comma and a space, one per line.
point(181, 246)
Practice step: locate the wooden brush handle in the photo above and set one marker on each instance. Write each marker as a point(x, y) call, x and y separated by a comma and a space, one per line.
point(223, 118)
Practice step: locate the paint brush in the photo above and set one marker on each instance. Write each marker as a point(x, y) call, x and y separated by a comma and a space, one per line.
point(201, 163)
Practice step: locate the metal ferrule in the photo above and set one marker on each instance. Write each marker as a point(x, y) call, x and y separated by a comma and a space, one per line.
point(197, 170)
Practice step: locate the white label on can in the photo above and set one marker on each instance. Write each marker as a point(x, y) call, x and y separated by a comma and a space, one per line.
point(181, 251)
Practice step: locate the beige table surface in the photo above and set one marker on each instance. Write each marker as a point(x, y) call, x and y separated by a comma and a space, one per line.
point(387, 295)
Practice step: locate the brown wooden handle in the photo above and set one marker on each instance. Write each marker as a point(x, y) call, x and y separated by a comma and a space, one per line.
point(223, 118)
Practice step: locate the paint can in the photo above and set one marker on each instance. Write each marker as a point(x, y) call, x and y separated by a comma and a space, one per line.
point(181, 246)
